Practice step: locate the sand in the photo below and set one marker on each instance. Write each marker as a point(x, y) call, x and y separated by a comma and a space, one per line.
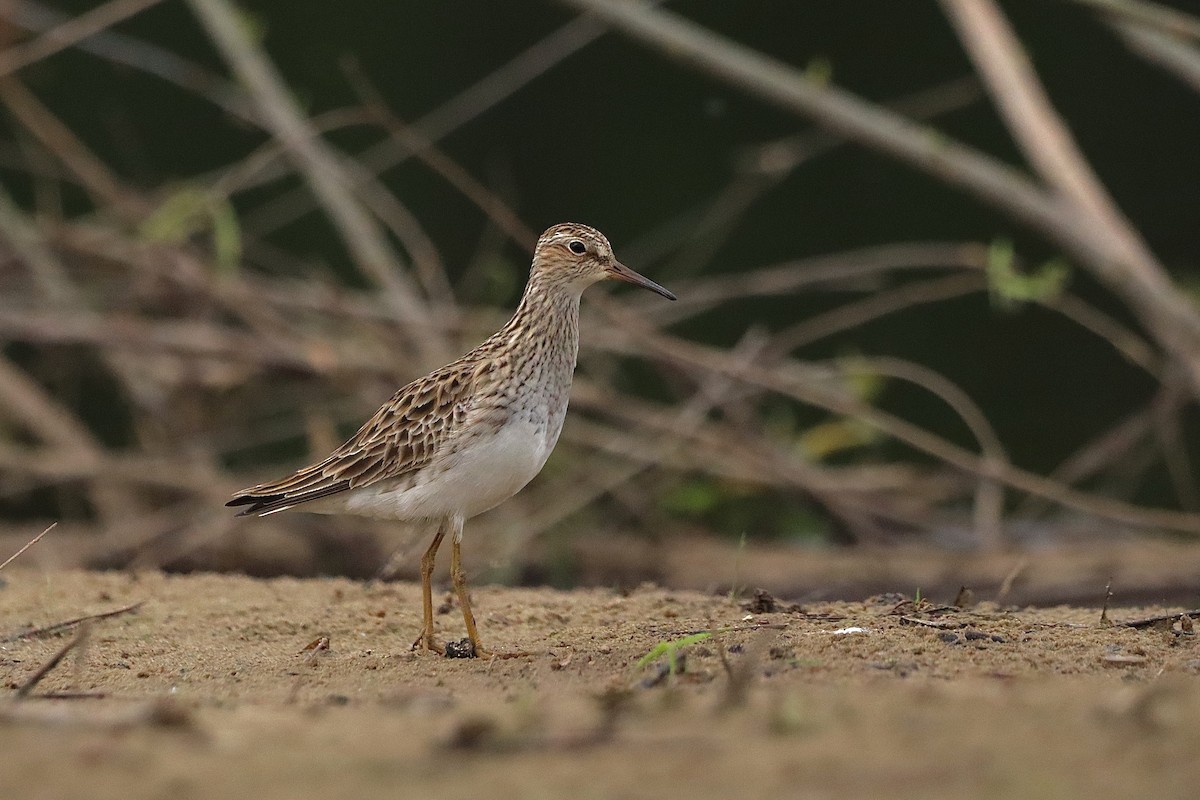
point(213, 687)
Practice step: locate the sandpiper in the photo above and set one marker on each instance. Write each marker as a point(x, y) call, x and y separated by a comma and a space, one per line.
point(470, 435)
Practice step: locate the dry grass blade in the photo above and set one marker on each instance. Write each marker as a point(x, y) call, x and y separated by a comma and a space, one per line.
point(27, 545)
point(1146, 622)
point(38, 633)
point(48, 666)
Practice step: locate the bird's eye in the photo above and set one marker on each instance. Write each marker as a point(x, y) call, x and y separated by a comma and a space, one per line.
point(577, 247)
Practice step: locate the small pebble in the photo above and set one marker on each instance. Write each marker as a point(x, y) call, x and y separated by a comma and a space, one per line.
point(460, 649)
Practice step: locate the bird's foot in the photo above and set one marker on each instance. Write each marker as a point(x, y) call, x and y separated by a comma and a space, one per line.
point(427, 644)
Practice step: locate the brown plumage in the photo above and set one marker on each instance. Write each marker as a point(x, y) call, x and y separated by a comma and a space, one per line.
point(469, 435)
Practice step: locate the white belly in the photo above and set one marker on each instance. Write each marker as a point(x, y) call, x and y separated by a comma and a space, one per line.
point(484, 473)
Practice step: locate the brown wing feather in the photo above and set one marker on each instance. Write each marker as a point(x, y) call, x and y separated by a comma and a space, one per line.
point(402, 437)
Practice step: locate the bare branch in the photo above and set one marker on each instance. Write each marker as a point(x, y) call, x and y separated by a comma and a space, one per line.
point(1040, 131)
point(321, 167)
point(1168, 52)
point(136, 54)
point(96, 177)
point(1151, 15)
point(498, 85)
point(792, 381)
point(70, 32)
point(1145, 287)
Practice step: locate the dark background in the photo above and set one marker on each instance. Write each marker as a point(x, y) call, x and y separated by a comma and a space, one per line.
point(620, 138)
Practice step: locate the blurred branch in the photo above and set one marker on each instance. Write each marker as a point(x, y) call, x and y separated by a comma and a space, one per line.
point(57, 465)
point(1115, 445)
point(762, 167)
point(55, 425)
point(320, 166)
point(790, 380)
point(701, 294)
point(1162, 49)
point(431, 156)
point(193, 339)
point(42, 415)
point(1129, 345)
point(99, 181)
point(26, 243)
point(1135, 273)
point(879, 304)
point(495, 87)
point(989, 496)
point(1169, 428)
point(1157, 33)
point(840, 111)
point(1040, 131)
point(71, 31)
point(137, 54)
point(1152, 15)
point(860, 496)
point(1119, 263)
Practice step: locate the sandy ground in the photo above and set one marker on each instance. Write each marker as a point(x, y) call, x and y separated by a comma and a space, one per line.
point(207, 690)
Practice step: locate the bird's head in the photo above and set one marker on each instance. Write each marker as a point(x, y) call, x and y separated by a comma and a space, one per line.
point(577, 256)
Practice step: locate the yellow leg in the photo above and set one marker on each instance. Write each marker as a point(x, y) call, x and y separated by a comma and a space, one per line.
point(425, 641)
point(459, 578)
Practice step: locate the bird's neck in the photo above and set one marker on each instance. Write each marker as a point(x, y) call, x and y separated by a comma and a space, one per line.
point(546, 321)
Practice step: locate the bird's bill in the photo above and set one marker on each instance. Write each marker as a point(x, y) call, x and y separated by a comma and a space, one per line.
point(620, 272)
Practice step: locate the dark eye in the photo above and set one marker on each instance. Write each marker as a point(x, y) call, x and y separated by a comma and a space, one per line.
point(577, 247)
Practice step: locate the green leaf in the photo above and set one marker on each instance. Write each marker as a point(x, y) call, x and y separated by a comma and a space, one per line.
point(1008, 287)
point(693, 498)
point(226, 237)
point(819, 70)
point(671, 650)
point(189, 211)
point(864, 382)
point(823, 440)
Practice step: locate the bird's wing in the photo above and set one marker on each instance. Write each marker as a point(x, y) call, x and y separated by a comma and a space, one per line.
point(402, 437)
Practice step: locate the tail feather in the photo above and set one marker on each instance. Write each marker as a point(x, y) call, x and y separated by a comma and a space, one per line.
point(267, 503)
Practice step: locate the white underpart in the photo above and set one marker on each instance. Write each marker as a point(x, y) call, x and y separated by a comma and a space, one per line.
point(483, 474)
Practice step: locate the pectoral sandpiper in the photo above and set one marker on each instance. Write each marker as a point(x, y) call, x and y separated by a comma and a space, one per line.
point(470, 435)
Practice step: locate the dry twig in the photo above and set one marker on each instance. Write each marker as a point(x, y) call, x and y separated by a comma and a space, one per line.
point(38, 633)
point(45, 669)
point(27, 545)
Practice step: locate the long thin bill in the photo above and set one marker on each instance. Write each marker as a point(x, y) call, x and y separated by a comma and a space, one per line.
point(623, 273)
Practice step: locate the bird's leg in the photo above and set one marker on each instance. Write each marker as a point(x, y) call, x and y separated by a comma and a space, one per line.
point(459, 578)
point(425, 640)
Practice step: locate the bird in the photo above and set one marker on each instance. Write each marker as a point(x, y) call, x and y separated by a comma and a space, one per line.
point(467, 436)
